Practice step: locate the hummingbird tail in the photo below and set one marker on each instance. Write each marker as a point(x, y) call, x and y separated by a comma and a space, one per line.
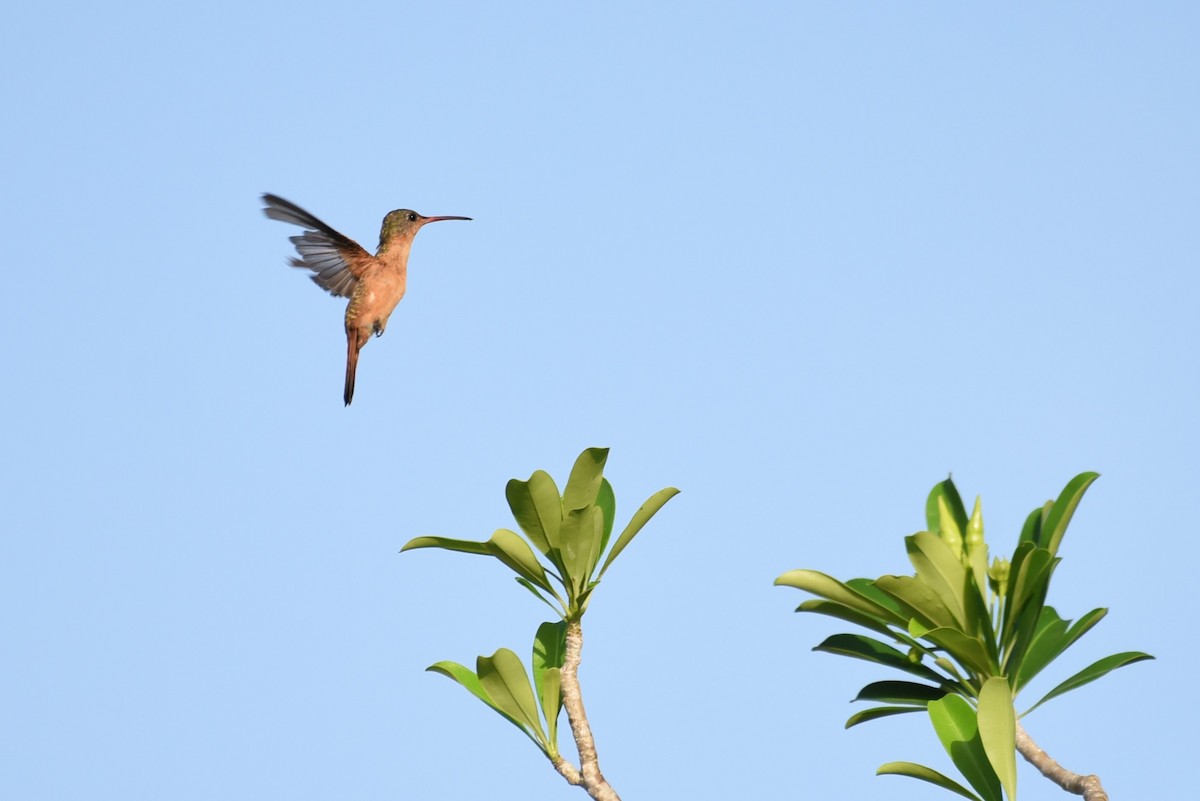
point(351, 365)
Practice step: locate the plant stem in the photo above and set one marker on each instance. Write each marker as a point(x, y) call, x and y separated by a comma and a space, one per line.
point(568, 771)
point(1086, 786)
point(590, 777)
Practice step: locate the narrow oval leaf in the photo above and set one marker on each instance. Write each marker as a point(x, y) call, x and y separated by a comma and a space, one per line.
point(504, 679)
point(1064, 507)
point(548, 503)
point(872, 650)
point(1084, 625)
point(467, 679)
point(879, 712)
point(1032, 530)
point(538, 510)
point(867, 588)
point(639, 519)
point(447, 544)
point(1047, 643)
point(1029, 578)
point(970, 652)
point(828, 587)
point(464, 676)
point(592, 532)
point(940, 569)
point(918, 600)
point(900, 692)
point(524, 511)
point(998, 731)
point(1052, 639)
point(842, 612)
point(515, 553)
point(1092, 672)
point(579, 538)
point(1028, 590)
point(525, 583)
point(550, 694)
point(607, 502)
point(549, 646)
point(954, 721)
point(925, 774)
point(583, 485)
point(549, 652)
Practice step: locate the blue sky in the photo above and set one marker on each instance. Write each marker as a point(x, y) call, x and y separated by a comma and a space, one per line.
point(798, 260)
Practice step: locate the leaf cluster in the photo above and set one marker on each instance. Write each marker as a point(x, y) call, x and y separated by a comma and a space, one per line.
point(571, 531)
point(500, 681)
point(974, 634)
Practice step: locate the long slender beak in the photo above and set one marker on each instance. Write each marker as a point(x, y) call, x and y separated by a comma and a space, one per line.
point(439, 219)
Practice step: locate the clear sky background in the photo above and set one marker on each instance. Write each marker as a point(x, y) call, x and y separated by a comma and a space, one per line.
point(800, 261)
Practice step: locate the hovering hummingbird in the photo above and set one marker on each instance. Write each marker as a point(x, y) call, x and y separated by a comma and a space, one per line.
point(374, 284)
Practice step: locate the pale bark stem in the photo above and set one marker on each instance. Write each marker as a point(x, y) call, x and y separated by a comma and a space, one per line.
point(1086, 786)
point(591, 779)
point(568, 771)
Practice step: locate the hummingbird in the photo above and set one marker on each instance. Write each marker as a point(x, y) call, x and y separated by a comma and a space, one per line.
point(342, 267)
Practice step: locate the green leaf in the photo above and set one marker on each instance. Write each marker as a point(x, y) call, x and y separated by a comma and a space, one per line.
point(1052, 639)
point(524, 583)
point(867, 588)
point(918, 600)
point(607, 502)
point(956, 726)
point(1028, 584)
point(515, 553)
point(945, 492)
point(828, 587)
point(940, 569)
point(1083, 625)
point(549, 647)
point(1092, 672)
point(549, 652)
point(971, 652)
point(550, 693)
point(580, 537)
point(594, 542)
point(900, 692)
point(504, 545)
point(504, 679)
point(447, 544)
point(861, 647)
point(583, 599)
point(640, 518)
point(879, 712)
point(584, 483)
point(843, 612)
point(915, 771)
point(1060, 516)
point(1046, 644)
point(469, 680)
point(538, 510)
point(998, 731)
point(1031, 532)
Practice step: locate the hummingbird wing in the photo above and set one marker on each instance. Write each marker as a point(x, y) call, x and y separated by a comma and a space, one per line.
point(336, 260)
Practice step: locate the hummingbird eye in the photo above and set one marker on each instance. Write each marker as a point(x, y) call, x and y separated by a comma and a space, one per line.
point(412, 216)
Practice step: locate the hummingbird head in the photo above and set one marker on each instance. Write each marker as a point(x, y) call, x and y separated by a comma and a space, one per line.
point(404, 224)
